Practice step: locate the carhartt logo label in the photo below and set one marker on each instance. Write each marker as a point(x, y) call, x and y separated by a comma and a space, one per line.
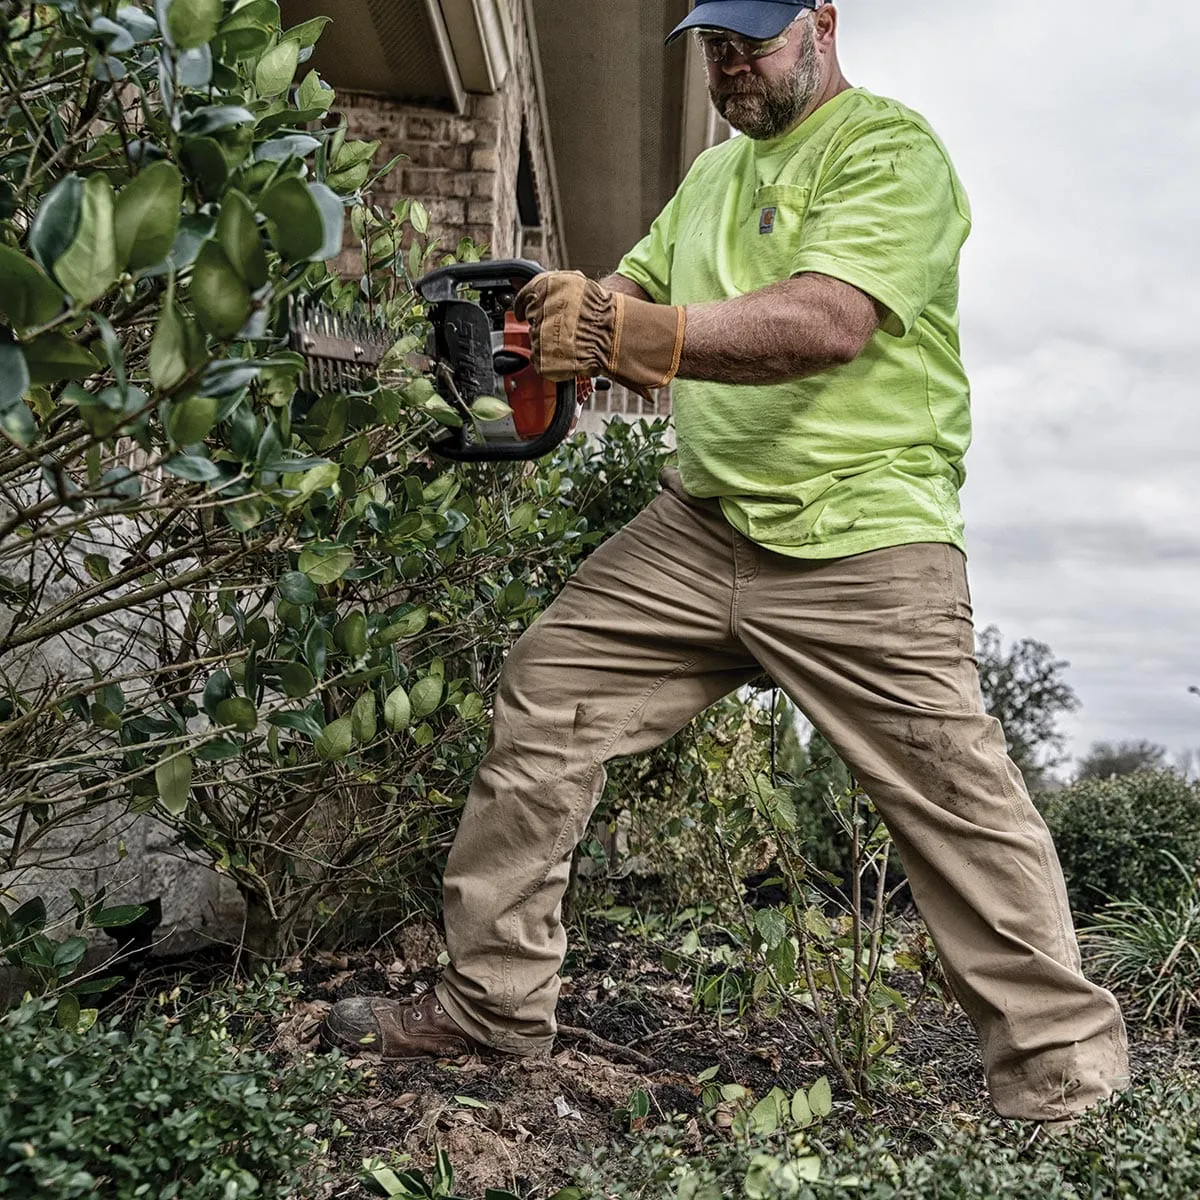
point(766, 221)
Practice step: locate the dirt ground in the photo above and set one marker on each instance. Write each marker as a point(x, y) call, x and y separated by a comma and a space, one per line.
point(627, 1025)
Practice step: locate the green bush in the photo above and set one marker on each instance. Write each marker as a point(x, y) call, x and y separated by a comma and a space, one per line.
point(1144, 1143)
point(234, 593)
point(179, 1107)
point(1113, 836)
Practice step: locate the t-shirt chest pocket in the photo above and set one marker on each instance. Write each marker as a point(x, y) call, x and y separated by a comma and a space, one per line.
point(773, 232)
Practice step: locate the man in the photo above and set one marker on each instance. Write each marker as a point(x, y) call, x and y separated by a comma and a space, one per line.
point(802, 289)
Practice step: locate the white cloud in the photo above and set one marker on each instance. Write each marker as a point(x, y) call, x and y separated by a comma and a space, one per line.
point(1076, 128)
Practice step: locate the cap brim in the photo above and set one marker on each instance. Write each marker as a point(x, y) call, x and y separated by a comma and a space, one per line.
point(760, 19)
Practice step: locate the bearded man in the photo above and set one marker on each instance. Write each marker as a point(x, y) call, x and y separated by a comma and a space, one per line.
point(801, 288)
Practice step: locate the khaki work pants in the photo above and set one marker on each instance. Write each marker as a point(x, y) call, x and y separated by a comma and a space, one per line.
point(678, 610)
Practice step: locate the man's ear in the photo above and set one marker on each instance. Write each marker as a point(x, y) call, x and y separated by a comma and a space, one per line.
point(826, 19)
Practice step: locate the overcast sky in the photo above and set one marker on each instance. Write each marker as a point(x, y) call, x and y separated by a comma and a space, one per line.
point(1076, 129)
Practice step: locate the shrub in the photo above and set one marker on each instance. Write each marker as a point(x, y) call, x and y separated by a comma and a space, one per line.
point(1151, 952)
point(233, 595)
point(1144, 1143)
point(179, 1107)
point(1113, 835)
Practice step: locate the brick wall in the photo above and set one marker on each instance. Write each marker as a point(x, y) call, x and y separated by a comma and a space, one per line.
point(464, 169)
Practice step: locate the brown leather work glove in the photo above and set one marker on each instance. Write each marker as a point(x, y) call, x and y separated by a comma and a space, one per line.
point(579, 329)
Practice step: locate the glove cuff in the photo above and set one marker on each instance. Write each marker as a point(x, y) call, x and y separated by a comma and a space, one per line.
point(647, 342)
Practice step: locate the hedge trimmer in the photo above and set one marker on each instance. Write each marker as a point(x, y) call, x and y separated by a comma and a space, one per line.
point(477, 349)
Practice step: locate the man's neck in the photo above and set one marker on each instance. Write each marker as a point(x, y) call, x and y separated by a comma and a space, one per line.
point(837, 84)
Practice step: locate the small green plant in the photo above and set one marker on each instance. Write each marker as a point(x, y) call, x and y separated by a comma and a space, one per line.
point(828, 968)
point(52, 964)
point(1151, 952)
point(179, 1108)
point(382, 1180)
point(757, 1149)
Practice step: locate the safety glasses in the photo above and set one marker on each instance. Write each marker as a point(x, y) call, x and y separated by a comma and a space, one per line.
point(718, 44)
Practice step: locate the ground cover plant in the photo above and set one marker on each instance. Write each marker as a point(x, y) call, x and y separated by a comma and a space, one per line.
point(173, 1104)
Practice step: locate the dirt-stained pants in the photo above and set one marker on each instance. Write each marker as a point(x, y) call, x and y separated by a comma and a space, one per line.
point(876, 650)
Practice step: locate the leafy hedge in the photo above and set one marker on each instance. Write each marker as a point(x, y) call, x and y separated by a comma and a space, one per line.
point(1114, 835)
point(177, 1108)
point(239, 598)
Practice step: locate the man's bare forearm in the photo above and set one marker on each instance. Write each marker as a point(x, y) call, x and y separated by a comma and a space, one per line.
point(789, 330)
point(618, 283)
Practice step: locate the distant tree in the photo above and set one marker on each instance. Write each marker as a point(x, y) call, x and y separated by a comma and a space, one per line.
point(1024, 689)
point(1106, 760)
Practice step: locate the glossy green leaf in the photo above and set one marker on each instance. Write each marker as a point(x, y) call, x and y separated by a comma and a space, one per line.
point(119, 916)
point(67, 1013)
point(820, 1097)
point(218, 293)
point(238, 712)
point(189, 22)
point(297, 680)
point(307, 483)
point(239, 236)
point(397, 710)
point(290, 145)
point(336, 740)
point(419, 217)
point(307, 33)
point(173, 779)
point(364, 719)
point(53, 357)
point(490, 408)
point(277, 68)
point(88, 267)
point(426, 695)
point(298, 722)
point(193, 468)
point(56, 222)
point(215, 118)
point(350, 634)
point(296, 588)
point(409, 625)
point(177, 348)
point(442, 412)
point(294, 218)
point(219, 687)
point(189, 420)
point(147, 216)
point(205, 162)
point(28, 296)
point(333, 217)
point(14, 373)
point(194, 68)
point(323, 568)
point(314, 94)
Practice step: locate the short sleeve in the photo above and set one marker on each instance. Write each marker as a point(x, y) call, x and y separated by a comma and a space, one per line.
point(889, 217)
point(648, 264)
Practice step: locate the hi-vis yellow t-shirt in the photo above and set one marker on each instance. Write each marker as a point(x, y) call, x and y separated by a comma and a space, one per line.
point(864, 455)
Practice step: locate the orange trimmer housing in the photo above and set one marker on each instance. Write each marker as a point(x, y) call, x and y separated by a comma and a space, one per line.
point(534, 400)
point(480, 348)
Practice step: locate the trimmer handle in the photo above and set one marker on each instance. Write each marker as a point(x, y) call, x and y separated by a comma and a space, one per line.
point(444, 283)
point(442, 287)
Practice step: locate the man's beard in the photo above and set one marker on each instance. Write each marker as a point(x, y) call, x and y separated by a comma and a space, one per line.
point(764, 108)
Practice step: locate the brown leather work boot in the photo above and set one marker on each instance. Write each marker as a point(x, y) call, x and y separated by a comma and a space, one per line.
point(418, 1029)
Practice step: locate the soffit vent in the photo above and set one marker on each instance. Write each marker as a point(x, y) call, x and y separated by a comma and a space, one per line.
point(393, 48)
point(412, 48)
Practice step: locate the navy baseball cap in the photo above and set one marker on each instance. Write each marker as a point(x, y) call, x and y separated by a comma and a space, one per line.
point(757, 19)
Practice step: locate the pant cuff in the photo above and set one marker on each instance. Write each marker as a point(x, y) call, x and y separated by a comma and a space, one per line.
point(504, 1041)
